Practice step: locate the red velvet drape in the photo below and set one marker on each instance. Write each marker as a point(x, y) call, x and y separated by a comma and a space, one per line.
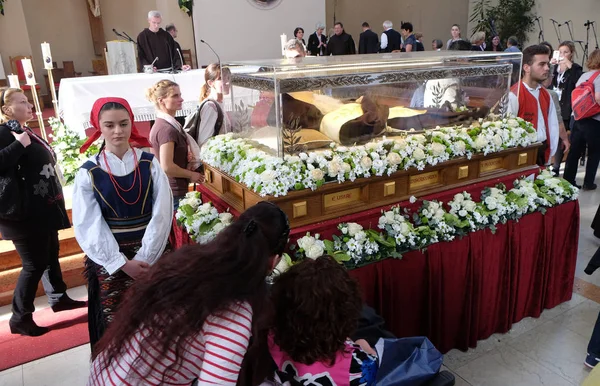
point(459, 292)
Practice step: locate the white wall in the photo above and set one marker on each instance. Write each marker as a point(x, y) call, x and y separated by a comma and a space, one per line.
point(562, 11)
point(239, 31)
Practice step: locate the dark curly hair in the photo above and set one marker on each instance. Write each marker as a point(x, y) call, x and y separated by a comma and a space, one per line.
point(317, 308)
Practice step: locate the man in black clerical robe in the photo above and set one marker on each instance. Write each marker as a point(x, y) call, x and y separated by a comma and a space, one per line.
point(154, 42)
point(340, 43)
point(369, 41)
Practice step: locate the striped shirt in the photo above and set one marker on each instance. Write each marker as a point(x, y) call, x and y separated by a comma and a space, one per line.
point(213, 356)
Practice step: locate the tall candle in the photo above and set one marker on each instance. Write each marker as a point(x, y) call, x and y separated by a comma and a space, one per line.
point(13, 81)
point(283, 43)
point(47, 55)
point(28, 70)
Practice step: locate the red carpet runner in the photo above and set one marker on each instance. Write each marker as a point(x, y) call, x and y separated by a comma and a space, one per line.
point(68, 329)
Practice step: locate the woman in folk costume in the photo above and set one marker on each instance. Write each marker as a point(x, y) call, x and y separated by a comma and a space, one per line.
point(122, 211)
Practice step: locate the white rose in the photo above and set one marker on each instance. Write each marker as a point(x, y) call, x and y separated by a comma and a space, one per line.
point(418, 154)
point(412, 199)
point(346, 167)
point(513, 123)
point(371, 146)
point(317, 174)
point(462, 213)
point(437, 149)
point(460, 147)
point(366, 162)
point(400, 144)
point(419, 138)
point(342, 149)
point(305, 242)
point(394, 158)
point(469, 205)
point(268, 176)
point(459, 197)
point(497, 140)
point(405, 228)
point(293, 159)
point(390, 217)
point(439, 214)
point(314, 251)
point(354, 228)
point(480, 142)
point(218, 227)
point(225, 217)
point(333, 168)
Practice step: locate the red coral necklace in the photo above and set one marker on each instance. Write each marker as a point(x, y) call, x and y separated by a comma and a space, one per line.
point(136, 177)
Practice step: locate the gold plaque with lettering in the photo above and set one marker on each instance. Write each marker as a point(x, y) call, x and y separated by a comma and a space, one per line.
point(463, 172)
point(341, 198)
point(424, 180)
point(522, 159)
point(299, 209)
point(489, 165)
point(389, 189)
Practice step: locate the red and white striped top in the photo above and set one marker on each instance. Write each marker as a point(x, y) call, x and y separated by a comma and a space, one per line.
point(214, 355)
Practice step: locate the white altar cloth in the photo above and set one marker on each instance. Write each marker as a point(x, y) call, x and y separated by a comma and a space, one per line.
point(77, 95)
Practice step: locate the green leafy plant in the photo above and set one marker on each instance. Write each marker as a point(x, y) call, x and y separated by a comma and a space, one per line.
point(186, 6)
point(511, 18)
point(66, 144)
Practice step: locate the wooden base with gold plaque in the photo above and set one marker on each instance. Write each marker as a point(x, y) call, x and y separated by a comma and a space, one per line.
point(333, 200)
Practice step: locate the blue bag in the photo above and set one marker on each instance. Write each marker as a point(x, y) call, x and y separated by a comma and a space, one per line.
point(407, 361)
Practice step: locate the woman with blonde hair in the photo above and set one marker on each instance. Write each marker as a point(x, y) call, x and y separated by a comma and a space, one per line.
point(169, 141)
point(32, 211)
point(213, 120)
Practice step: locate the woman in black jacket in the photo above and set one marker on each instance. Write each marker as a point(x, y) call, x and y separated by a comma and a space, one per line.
point(32, 210)
point(317, 42)
point(566, 75)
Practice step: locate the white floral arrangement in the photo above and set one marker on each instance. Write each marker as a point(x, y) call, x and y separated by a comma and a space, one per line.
point(262, 171)
point(397, 225)
point(433, 215)
point(555, 190)
point(524, 198)
point(494, 205)
point(66, 144)
point(202, 221)
point(465, 209)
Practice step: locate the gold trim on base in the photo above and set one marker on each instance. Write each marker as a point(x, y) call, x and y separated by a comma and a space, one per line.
point(389, 188)
point(522, 159)
point(299, 209)
point(463, 172)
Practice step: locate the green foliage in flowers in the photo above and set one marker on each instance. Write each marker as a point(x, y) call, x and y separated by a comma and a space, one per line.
point(66, 144)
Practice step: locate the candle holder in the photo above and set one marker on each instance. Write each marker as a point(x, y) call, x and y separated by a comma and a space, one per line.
point(53, 91)
point(38, 111)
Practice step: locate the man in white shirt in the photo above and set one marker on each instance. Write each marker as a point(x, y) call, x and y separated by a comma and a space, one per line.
point(529, 100)
point(391, 40)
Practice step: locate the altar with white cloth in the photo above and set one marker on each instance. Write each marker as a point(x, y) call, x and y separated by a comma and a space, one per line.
point(77, 95)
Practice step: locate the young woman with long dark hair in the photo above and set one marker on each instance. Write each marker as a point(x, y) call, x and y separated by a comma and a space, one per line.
point(122, 211)
point(192, 316)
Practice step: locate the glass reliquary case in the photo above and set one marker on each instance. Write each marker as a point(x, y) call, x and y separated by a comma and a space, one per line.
point(306, 104)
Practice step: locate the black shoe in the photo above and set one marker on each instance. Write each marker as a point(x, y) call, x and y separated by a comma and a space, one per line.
point(66, 303)
point(27, 328)
point(590, 187)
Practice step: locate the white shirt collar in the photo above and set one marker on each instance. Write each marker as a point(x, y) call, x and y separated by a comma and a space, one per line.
point(532, 89)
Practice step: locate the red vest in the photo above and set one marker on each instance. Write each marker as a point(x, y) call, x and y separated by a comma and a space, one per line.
point(528, 109)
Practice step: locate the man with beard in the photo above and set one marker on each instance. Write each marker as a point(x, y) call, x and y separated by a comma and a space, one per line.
point(529, 100)
point(341, 43)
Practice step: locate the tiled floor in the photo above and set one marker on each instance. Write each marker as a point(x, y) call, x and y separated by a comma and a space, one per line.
point(547, 351)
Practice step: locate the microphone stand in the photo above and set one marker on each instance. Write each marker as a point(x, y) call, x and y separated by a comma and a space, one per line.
point(129, 37)
point(214, 52)
point(589, 24)
point(557, 30)
point(541, 34)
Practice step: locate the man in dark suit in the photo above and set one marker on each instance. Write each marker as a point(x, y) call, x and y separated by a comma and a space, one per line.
point(369, 41)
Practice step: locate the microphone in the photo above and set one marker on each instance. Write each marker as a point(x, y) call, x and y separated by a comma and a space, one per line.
point(588, 23)
point(180, 56)
point(129, 37)
point(118, 34)
point(214, 52)
point(567, 22)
